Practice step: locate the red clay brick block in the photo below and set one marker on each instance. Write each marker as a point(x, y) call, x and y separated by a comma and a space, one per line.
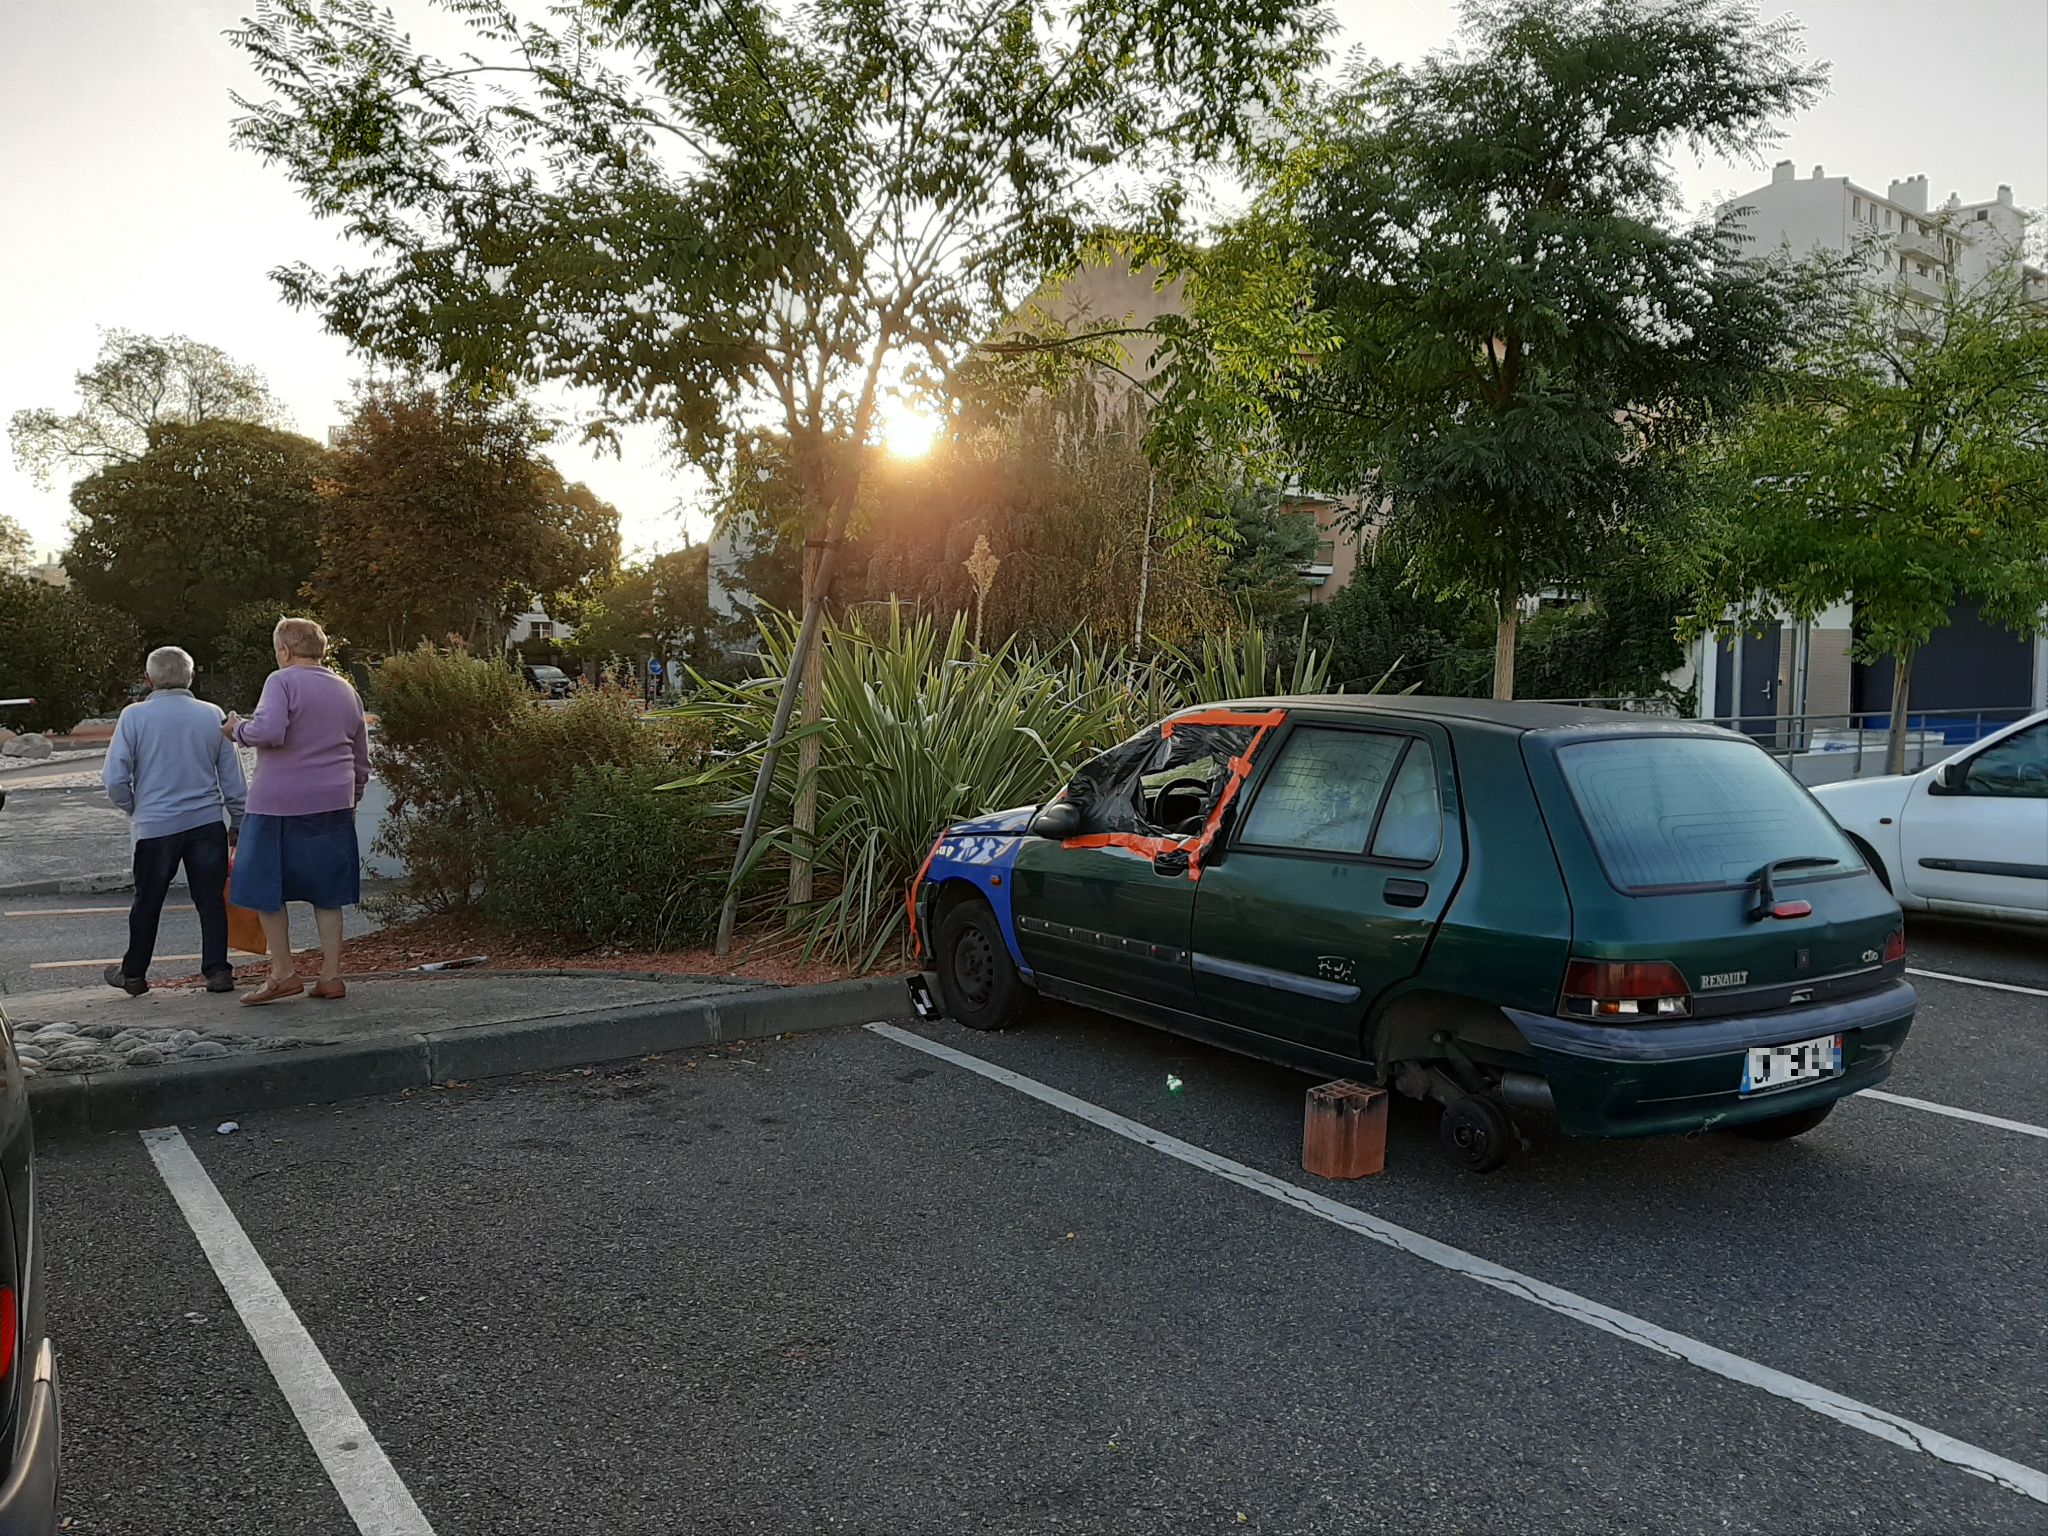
point(1344, 1131)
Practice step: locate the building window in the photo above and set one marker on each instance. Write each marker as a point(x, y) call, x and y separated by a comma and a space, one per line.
point(541, 629)
point(1326, 552)
point(1857, 204)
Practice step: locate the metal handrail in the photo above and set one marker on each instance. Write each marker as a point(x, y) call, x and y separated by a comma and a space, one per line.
point(1932, 734)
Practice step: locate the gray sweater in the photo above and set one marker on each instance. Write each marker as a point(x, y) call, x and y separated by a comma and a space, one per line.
point(170, 768)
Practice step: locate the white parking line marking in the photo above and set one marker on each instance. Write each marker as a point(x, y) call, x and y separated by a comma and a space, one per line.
point(79, 965)
point(1978, 981)
point(376, 1498)
point(2013, 1475)
point(1956, 1114)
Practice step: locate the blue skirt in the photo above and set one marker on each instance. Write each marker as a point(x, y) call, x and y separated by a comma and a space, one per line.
point(297, 858)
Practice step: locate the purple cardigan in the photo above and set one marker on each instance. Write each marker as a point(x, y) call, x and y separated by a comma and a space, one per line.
point(312, 753)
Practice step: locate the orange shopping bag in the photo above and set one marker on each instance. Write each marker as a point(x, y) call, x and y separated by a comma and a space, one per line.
point(245, 928)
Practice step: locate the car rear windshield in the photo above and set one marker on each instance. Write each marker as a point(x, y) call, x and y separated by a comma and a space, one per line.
point(1686, 812)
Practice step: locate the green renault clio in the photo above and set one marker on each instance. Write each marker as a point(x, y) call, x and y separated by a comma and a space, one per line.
point(1636, 925)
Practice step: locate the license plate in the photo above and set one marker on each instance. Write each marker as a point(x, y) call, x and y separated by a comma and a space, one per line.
point(1778, 1066)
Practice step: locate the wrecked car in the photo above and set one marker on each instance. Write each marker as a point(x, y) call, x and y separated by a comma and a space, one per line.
point(1637, 926)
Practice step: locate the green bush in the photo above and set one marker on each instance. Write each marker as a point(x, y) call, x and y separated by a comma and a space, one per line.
point(471, 760)
point(618, 861)
point(73, 657)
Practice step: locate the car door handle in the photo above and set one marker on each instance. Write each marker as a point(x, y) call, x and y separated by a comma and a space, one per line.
point(1172, 862)
point(1406, 893)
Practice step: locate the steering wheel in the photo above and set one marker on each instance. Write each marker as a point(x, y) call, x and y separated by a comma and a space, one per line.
point(1196, 788)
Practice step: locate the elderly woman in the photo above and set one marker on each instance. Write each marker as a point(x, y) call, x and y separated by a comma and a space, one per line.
point(298, 838)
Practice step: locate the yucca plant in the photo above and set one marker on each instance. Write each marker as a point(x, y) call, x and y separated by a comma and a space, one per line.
point(1240, 664)
point(920, 729)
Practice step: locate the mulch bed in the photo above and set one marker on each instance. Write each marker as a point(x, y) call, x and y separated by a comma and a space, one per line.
point(770, 957)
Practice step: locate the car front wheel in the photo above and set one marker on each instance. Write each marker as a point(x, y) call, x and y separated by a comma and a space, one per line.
point(978, 981)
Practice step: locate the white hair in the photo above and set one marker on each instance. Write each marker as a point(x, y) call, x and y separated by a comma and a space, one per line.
point(169, 667)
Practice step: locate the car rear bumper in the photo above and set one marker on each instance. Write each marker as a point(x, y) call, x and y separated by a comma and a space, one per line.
point(1608, 1081)
point(28, 1499)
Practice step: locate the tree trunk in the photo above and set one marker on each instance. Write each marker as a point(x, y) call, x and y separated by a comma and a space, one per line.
point(1902, 693)
point(1144, 567)
point(804, 817)
point(799, 662)
point(1504, 645)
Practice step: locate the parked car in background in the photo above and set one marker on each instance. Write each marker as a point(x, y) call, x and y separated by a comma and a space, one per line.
point(1640, 926)
point(29, 1408)
point(1968, 836)
point(549, 682)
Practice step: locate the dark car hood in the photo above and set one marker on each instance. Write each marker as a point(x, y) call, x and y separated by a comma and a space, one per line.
point(1016, 821)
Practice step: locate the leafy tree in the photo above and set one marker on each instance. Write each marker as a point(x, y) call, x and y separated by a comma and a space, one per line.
point(1376, 627)
point(748, 213)
point(1903, 462)
point(1523, 345)
point(443, 519)
point(659, 608)
point(16, 548)
point(211, 517)
point(1261, 575)
point(138, 383)
point(76, 658)
point(1064, 508)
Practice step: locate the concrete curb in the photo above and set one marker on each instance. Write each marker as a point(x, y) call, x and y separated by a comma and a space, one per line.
point(199, 1090)
point(74, 885)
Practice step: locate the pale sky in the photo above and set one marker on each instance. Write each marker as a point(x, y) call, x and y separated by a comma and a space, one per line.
point(123, 204)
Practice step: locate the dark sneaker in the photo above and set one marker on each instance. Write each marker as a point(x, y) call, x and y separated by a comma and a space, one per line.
point(134, 986)
point(221, 981)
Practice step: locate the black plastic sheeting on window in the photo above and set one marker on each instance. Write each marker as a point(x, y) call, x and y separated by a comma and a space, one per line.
point(1175, 779)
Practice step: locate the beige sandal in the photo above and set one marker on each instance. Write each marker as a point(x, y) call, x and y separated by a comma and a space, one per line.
point(273, 991)
point(329, 988)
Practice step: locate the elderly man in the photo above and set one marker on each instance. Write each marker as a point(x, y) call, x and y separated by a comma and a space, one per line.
point(181, 783)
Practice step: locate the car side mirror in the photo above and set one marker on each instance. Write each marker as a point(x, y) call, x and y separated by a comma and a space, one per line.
point(1058, 821)
point(1949, 777)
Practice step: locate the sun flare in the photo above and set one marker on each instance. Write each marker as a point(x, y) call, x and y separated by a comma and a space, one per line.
point(909, 429)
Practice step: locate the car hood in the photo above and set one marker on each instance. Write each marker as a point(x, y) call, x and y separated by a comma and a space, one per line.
point(1017, 820)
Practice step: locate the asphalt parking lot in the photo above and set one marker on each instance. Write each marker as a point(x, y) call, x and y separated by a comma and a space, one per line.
point(841, 1283)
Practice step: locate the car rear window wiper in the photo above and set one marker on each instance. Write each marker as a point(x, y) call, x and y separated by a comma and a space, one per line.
point(1766, 898)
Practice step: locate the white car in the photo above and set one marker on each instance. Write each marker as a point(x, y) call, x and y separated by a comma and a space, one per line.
point(1967, 836)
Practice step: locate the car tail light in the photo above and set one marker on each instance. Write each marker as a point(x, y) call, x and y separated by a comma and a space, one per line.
point(1625, 989)
point(10, 1322)
point(1895, 946)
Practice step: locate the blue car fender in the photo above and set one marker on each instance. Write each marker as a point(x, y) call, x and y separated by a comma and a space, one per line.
point(982, 853)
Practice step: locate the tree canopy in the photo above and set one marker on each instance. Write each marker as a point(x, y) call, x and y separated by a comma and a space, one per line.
point(210, 517)
point(74, 657)
point(744, 213)
point(747, 214)
point(442, 519)
point(1902, 462)
point(658, 607)
point(16, 548)
point(138, 383)
point(1522, 337)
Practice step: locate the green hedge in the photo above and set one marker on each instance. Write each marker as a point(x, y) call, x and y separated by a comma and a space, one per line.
point(618, 861)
